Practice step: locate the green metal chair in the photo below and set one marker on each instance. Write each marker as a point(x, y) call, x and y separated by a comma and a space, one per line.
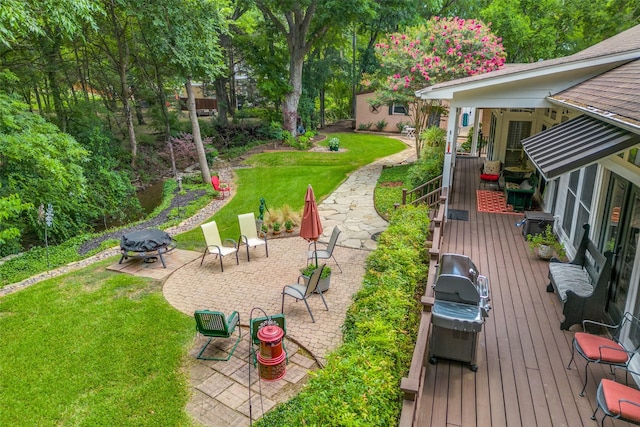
point(213, 324)
point(259, 322)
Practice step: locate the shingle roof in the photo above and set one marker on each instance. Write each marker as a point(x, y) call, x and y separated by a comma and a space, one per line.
point(614, 94)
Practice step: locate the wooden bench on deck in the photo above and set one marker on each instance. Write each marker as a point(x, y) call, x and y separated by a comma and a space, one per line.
point(582, 283)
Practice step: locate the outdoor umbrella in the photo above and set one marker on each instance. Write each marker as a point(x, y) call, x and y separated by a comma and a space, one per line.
point(311, 227)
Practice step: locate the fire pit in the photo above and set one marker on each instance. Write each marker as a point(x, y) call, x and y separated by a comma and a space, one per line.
point(460, 307)
point(149, 244)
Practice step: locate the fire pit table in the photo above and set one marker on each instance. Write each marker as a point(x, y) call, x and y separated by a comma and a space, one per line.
point(149, 244)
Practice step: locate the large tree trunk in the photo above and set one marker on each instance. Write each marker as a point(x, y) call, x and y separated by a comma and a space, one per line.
point(197, 138)
point(291, 101)
point(167, 123)
point(128, 111)
point(222, 99)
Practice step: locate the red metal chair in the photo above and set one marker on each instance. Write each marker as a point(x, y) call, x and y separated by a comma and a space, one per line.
point(221, 187)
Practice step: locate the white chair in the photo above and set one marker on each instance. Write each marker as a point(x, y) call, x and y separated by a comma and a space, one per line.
point(249, 233)
point(408, 131)
point(215, 245)
point(327, 253)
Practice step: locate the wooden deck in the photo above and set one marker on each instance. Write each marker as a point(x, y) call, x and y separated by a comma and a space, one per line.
point(522, 355)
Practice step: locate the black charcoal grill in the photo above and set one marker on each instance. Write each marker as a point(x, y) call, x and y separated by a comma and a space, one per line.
point(460, 307)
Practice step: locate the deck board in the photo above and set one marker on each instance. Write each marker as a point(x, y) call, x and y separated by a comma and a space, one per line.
point(522, 354)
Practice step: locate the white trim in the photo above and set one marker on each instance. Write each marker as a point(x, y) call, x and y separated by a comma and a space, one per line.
point(623, 168)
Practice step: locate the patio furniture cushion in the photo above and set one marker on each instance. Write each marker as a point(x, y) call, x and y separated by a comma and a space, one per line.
point(492, 167)
point(621, 400)
point(596, 347)
point(489, 177)
point(570, 277)
point(605, 350)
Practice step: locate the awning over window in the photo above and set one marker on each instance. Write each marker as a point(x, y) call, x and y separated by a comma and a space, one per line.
point(574, 144)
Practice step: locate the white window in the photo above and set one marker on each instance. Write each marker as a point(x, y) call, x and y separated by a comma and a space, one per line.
point(398, 109)
point(579, 198)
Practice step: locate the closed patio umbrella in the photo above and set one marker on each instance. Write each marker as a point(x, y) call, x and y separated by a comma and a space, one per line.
point(311, 227)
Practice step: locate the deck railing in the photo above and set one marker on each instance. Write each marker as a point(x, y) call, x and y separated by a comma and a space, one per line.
point(412, 385)
point(428, 193)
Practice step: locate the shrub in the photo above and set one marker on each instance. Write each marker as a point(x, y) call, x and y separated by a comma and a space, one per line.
point(434, 136)
point(381, 124)
point(334, 144)
point(424, 171)
point(275, 131)
point(400, 125)
point(359, 386)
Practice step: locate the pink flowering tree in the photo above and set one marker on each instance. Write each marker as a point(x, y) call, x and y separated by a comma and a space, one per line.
point(441, 50)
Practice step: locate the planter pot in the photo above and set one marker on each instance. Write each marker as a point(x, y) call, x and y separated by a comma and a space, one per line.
point(545, 252)
point(275, 233)
point(323, 284)
point(289, 231)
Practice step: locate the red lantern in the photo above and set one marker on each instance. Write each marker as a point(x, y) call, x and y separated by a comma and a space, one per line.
point(271, 359)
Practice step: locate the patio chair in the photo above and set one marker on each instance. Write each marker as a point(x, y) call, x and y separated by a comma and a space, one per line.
point(490, 173)
point(221, 187)
point(300, 291)
point(618, 401)
point(326, 253)
point(603, 350)
point(215, 245)
point(213, 324)
point(254, 327)
point(249, 234)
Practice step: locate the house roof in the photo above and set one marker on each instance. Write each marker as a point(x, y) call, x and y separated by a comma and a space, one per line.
point(614, 94)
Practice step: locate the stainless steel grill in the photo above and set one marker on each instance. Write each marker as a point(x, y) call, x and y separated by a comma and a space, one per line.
point(459, 310)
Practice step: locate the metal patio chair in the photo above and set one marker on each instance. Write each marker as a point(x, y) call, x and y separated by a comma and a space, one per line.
point(215, 245)
point(314, 254)
point(213, 324)
point(604, 350)
point(300, 291)
point(221, 187)
point(249, 233)
point(618, 401)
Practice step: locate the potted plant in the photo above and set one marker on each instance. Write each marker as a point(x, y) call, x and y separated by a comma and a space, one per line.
point(263, 230)
point(288, 226)
point(334, 144)
point(324, 282)
point(276, 227)
point(546, 244)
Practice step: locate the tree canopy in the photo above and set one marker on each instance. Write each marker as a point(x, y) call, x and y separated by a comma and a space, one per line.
point(442, 49)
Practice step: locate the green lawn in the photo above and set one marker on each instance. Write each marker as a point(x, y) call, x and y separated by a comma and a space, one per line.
point(95, 347)
point(389, 188)
point(282, 179)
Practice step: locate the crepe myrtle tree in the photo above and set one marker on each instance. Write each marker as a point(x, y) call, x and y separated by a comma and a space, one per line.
point(442, 49)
